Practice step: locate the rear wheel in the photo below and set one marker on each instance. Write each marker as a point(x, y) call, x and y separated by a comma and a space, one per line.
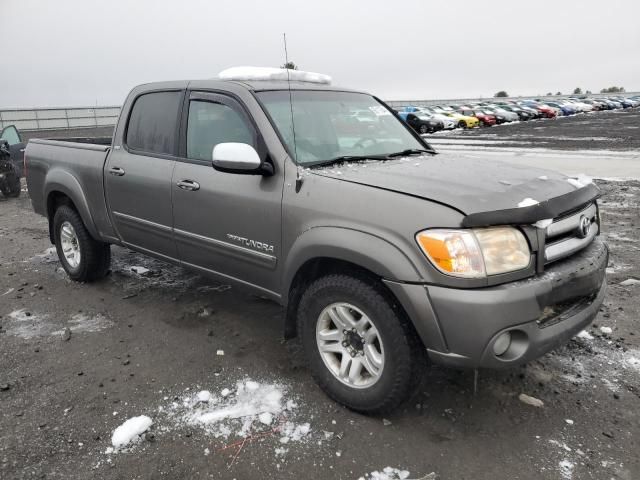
point(462, 124)
point(361, 349)
point(424, 129)
point(83, 258)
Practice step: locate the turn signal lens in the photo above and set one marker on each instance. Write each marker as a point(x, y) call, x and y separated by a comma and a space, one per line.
point(475, 253)
point(454, 252)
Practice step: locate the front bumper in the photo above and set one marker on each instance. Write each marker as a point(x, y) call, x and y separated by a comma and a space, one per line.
point(540, 313)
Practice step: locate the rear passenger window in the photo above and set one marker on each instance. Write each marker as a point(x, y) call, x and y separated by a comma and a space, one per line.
point(212, 123)
point(153, 123)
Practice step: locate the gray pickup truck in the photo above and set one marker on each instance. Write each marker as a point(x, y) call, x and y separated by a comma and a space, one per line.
point(385, 254)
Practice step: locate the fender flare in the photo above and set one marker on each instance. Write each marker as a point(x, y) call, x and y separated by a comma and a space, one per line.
point(366, 250)
point(58, 180)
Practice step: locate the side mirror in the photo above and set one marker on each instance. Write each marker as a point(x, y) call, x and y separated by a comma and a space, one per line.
point(236, 158)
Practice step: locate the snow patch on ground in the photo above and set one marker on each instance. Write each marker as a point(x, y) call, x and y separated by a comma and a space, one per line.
point(387, 473)
point(130, 431)
point(249, 408)
point(566, 469)
point(26, 324)
point(585, 335)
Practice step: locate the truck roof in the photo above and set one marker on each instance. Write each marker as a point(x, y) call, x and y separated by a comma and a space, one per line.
point(253, 85)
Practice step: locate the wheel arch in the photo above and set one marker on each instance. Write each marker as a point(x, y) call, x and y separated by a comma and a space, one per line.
point(324, 250)
point(64, 189)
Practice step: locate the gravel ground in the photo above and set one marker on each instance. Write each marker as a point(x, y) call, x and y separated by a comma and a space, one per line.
point(77, 360)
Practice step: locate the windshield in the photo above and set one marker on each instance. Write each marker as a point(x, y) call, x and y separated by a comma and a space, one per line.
point(329, 125)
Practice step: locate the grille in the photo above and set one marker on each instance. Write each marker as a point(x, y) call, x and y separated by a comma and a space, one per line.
point(570, 233)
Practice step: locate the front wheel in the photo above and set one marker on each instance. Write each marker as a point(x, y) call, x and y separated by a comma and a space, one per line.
point(361, 348)
point(83, 258)
point(462, 124)
point(424, 129)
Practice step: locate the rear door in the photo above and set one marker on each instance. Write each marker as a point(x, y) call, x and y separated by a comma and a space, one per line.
point(225, 223)
point(16, 146)
point(138, 175)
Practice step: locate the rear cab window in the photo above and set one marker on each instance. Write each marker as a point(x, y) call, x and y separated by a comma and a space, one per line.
point(153, 123)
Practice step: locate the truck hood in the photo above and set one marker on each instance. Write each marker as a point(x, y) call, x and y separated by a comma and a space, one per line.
point(486, 190)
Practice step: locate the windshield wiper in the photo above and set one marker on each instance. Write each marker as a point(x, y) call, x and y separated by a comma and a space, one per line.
point(409, 151)
point(346, 158)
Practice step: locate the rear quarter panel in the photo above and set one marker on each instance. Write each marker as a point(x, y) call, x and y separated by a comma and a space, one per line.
point(75, 170)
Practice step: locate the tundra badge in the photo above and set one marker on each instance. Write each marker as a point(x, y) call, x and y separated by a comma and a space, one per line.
point(265, 247)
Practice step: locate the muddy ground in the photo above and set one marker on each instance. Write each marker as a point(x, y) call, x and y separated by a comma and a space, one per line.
point(77, 360)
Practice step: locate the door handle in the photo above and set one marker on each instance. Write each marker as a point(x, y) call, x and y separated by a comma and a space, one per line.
point(188, 185)
point(117, 171)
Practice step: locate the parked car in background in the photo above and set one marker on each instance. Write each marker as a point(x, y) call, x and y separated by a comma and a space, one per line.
point(16, 145)
point(625, 102)
point(508, 115)
point(9, 177)
point(583, 106)
point(520, 112)
point(564, 108)
point(500, 118)
point(486, 119)
point(447, 122)
point(533, 111)
point(545, 110)
point(463, 121)
point(422, 122)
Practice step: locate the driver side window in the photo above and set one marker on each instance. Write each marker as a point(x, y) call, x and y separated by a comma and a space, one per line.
point(211, 123)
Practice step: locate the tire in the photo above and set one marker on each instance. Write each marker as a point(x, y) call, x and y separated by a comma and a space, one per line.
point(402, 356)
point(424, 129)
point(14, 187)
point(93, 257)
point(462, 124)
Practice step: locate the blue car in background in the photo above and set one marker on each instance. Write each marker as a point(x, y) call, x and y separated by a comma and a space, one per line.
point(564, 108)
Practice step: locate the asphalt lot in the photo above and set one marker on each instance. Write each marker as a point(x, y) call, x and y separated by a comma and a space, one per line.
point(77, 360)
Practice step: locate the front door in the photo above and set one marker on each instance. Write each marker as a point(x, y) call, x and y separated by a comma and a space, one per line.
point(138, 174)
point(225, 223)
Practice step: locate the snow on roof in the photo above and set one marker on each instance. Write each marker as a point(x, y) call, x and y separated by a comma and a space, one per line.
point(267, 73)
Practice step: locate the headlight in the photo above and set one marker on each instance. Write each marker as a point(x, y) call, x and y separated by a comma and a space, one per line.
point(475, 253)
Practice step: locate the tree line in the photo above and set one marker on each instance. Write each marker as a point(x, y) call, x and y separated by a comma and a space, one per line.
point(576, 91)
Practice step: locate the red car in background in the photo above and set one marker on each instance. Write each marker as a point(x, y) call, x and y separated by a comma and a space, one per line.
point(546, 110)
point(486, 119)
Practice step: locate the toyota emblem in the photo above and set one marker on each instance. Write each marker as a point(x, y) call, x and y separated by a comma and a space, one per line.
point(584, 227)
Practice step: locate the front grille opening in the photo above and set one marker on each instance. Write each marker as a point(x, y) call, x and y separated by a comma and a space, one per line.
point(566, 236)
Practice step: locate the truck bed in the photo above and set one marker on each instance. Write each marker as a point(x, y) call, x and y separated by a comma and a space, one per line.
point(71, 163)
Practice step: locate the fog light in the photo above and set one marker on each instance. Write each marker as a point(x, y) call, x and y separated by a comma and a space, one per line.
point(502, 344)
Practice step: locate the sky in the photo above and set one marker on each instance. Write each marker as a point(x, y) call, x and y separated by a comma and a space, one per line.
point(90, 52)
